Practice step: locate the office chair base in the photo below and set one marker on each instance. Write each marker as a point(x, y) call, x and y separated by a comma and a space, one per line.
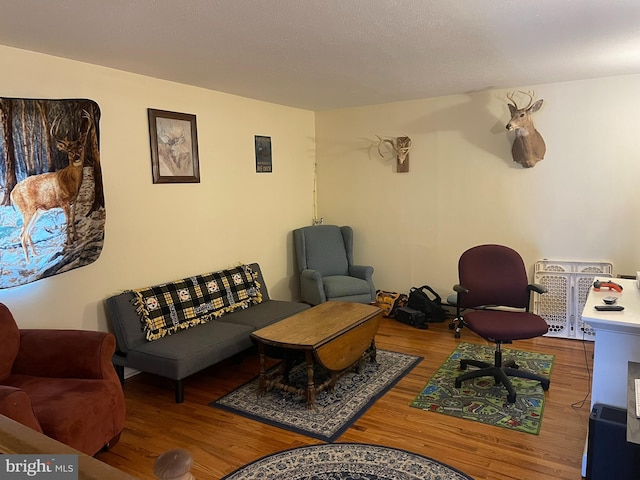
point(457, 324)
point(500, 374)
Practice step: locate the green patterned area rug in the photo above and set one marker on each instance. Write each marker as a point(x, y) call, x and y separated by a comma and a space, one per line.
point(483, 401)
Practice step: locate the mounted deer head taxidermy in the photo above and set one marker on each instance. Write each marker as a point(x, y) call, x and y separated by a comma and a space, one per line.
point(401, 147)
point(528, 147)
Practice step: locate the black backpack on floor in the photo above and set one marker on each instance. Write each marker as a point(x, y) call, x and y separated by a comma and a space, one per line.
point(420, 299)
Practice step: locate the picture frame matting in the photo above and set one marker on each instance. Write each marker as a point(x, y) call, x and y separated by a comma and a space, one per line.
point(174, 147)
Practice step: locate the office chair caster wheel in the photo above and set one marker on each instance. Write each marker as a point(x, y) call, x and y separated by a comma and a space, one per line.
point(545, 385)
point(457, 383)
point(452, 325)
point(511, 398)
point(511, 364)
point(457, 334)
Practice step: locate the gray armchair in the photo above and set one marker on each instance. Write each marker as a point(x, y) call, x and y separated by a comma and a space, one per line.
point(325, 263)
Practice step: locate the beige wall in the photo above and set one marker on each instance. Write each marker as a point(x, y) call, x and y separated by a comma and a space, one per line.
point(157, 233)
point(581, 203)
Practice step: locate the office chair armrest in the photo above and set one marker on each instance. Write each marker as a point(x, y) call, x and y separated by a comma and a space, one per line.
point(536, 287)
point(460, 289)
point(364, 272)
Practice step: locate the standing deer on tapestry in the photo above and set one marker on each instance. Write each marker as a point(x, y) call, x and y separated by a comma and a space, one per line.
point(59, 189)
point(528, 147)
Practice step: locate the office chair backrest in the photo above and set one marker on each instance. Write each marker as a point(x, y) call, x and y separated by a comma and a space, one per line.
point(325, 248)
point(494, 275)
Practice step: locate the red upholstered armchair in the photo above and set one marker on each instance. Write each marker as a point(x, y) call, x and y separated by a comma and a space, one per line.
point(61, 383)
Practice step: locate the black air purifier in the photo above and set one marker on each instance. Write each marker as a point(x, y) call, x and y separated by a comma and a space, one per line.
point(609, 455)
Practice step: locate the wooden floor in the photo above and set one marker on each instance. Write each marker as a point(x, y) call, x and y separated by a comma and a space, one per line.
point(220, 442)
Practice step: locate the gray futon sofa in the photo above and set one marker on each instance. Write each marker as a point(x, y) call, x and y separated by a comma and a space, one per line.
point(185, 352)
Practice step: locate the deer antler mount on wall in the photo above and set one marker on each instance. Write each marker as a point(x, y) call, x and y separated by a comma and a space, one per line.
point(528, 147)
point(400, 147)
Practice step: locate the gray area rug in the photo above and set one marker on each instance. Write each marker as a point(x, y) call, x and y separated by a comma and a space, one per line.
point(334, 411)
point(346, 461)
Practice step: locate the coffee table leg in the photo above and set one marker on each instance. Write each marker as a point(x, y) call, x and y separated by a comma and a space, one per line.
point(262, 384)
point(287, 365)
point(311, 387)
point(332, 382)
point(373, 351)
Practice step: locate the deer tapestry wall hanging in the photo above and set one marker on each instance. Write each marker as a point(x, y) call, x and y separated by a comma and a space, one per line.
point(528, 145)
point(52, 211)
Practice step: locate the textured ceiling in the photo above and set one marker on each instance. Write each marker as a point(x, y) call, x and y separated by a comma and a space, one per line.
point(327, 54)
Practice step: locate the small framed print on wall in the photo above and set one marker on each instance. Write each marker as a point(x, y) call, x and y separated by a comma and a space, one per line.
point(263, 154)
point(174, 147)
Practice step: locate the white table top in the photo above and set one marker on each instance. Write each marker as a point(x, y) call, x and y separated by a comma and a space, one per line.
point(628, 320)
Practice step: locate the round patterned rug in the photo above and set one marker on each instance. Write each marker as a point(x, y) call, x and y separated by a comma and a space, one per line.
point(346, 461)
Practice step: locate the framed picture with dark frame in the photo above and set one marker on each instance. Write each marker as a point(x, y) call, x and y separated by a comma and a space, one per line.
point(264, 162)
point(174, 147)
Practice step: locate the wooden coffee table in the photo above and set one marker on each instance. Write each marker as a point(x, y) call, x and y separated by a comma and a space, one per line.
point(333, 335)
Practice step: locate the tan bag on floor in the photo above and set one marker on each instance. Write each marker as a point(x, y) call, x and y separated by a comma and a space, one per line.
point(390, 302)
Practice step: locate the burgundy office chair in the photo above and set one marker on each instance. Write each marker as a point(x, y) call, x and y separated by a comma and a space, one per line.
point(496, 275)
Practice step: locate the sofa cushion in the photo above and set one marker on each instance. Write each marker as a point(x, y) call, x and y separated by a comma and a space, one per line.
point(16, 404)
point(167, 308)
point(265, 313)
point(57, 401)
point(125, 321)
point(325, 250)
point(188, 351)
point(10, 341)
point(341, 286)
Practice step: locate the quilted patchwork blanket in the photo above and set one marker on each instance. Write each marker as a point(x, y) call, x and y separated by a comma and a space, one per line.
point(167, 308)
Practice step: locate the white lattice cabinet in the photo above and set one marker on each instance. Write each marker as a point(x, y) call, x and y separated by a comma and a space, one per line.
point(567, 285)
